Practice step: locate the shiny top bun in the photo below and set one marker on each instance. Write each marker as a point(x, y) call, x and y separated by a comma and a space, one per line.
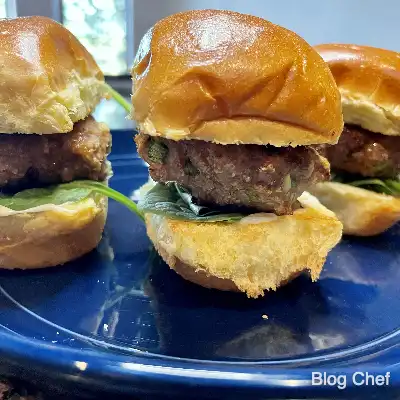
point(227, 77)
point(369, 82)
point(48, 79)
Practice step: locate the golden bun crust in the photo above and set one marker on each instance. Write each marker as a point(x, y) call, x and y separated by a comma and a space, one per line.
point(248, 256)
point(362, 212)
point(227, 77)
point(51, 237)
point(369, 82)
point(48, 79)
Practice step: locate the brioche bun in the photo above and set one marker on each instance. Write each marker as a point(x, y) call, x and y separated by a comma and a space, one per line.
point(50, 235)
point(48, 79)
point(362, 212)
point(369, 82)
point(226, 77)
point(260, 252)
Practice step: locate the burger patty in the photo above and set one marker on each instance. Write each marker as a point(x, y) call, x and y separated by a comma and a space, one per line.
point(262, 178)
point(28, 161)
point(365, 153)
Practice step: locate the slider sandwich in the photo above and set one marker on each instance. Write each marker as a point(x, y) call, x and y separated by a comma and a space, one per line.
point(365, 189)
point(228, 108)
point(52, 151)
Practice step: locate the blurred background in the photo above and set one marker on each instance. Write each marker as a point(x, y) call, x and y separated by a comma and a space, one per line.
point(112, 29)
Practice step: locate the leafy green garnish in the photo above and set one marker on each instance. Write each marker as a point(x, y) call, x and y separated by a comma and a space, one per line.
point(375, 185)
point(175, 202)
point(101, 188)
point(394, 185)
point(387, 186)
point(56, 195)
point(118, 98)
point(65, 193)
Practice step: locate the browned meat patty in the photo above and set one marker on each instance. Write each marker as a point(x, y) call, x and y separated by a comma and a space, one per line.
point(365, 153)
point(262, 178)
point(28, 161)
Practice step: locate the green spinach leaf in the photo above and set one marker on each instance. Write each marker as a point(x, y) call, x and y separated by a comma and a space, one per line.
point(175, 202)
point(65, 193)
point(118, 98)
point(386, 186)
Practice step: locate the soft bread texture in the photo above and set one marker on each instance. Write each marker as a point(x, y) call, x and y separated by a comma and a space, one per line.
point(52, 236)
point(227, 77)
point(369, 82)
point(48, 80)
point(261, 252)
point(362, 212)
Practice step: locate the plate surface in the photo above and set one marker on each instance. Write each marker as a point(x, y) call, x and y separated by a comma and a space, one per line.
point(121, 307)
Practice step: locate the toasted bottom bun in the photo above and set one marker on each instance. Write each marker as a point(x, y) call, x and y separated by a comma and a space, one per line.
point(260, 252)
point(362, 212)
point(50, 235)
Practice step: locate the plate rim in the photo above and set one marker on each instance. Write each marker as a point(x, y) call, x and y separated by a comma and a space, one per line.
point(133, 369)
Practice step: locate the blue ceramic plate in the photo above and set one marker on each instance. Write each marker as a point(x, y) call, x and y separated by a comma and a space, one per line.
point(119, 320)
